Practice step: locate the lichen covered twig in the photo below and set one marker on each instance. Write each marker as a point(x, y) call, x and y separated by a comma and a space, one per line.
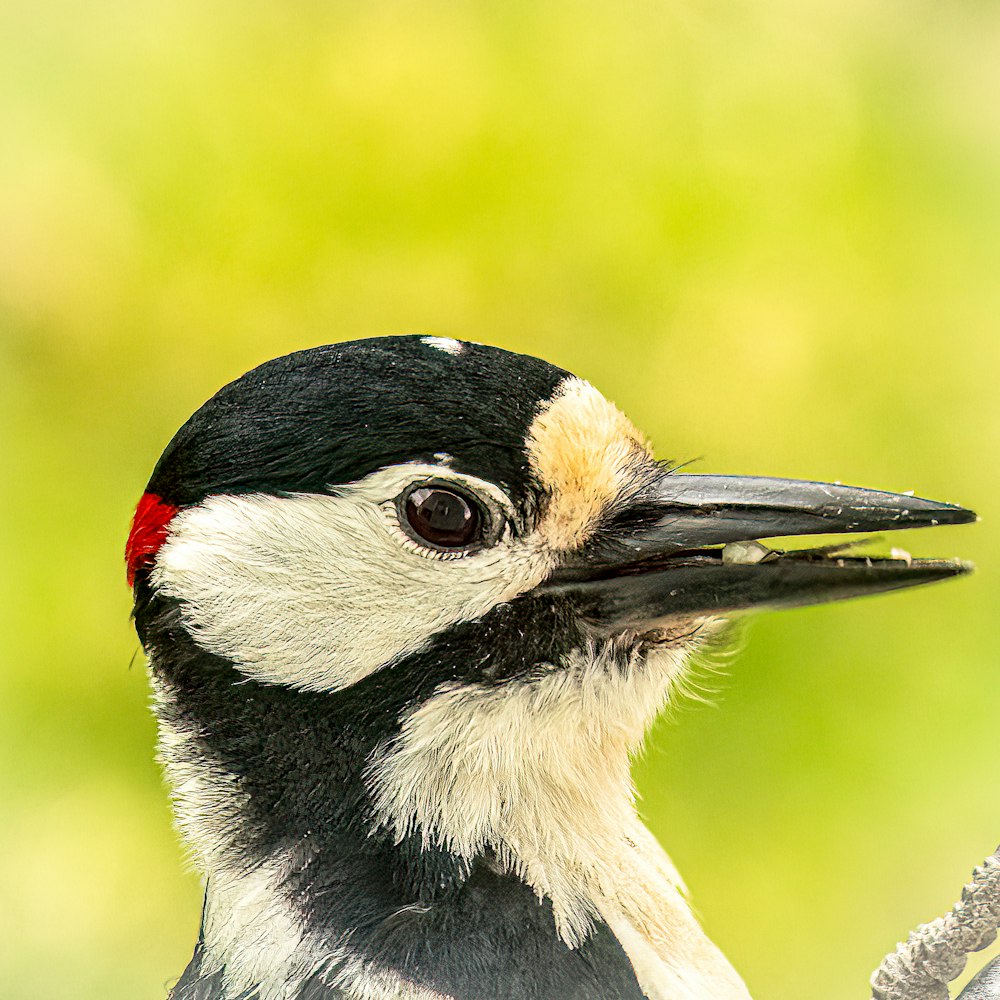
point(935, 953)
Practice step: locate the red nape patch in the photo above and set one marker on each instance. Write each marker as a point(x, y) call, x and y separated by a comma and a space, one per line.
point(149, 532)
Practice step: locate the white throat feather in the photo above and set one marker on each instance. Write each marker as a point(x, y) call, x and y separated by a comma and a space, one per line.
point(537, 774)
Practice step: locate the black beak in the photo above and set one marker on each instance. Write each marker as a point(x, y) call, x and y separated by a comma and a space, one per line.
point(688, 547)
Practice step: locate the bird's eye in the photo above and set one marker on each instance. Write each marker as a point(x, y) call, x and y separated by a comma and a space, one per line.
point(442, 517)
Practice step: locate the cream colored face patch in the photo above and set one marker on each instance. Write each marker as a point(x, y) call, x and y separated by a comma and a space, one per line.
point(586, 453)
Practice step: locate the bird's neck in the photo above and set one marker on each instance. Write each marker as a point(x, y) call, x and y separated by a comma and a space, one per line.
point(327, 838)
point(536, 775)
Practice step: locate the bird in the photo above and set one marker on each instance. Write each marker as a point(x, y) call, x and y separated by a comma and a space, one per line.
point(410, 605)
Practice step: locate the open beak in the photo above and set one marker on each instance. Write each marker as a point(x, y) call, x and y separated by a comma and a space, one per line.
point(690, 547)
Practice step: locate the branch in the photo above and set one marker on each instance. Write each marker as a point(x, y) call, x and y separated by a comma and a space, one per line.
point(935, 953)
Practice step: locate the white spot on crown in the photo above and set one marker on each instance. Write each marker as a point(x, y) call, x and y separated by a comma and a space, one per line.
point(446, 344)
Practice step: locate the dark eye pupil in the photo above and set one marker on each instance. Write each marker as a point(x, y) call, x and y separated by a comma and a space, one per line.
point(442, 518)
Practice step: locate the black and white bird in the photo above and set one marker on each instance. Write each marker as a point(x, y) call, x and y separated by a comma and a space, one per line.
point(410, 605)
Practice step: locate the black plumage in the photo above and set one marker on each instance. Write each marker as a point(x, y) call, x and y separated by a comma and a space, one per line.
point(332, 414)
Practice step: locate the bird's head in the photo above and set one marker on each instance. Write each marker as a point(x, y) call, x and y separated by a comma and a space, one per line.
point(460, 580)
point(338, 510)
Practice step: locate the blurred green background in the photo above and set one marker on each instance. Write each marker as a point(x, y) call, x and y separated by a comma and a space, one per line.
point(769, 231)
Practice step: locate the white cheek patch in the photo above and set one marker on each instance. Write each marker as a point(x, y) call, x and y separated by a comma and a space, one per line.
point(318, 591)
